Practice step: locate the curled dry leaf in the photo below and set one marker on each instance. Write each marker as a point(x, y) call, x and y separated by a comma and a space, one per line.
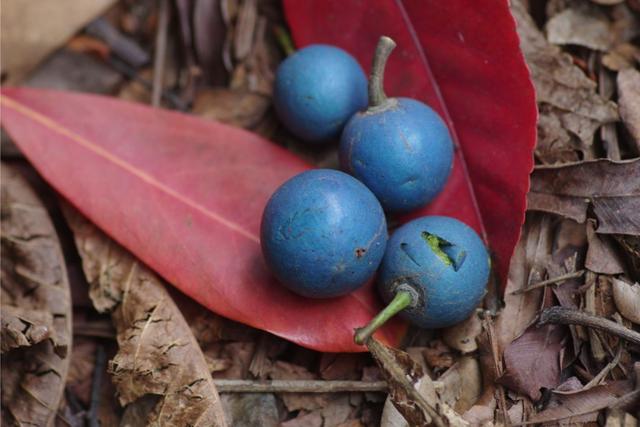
point(570, 109)
point(627, 299)
point(615, 195)
point(629, 99)
point(22, 327)
point(35, 289)
point(157, 354)
point(417, 402)
point(584, 25)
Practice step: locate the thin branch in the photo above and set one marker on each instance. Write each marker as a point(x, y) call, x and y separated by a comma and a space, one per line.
point(558, 280)
point(298, 386)
point(160, 52)
point(567, 316)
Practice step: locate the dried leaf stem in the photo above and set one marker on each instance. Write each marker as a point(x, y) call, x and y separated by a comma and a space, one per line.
point(160, 53)
point(553, 280)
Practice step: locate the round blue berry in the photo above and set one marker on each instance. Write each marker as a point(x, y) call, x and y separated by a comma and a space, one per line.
point(443, 262)
point(401, 150)
point(323, 233)
point(317, 89)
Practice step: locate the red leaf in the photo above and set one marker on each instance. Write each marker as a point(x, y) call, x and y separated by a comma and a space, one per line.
point(462, 58)
point(186, 197)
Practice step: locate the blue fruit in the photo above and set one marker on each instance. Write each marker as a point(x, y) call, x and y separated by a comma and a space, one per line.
point(323, 233)
point(443, 262)
point(317, 90)
point(399, 148)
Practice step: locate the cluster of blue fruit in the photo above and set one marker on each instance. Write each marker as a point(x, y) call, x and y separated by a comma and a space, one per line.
point(324, 232)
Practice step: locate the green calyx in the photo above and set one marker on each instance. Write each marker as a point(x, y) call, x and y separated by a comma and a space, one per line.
point(436, 244)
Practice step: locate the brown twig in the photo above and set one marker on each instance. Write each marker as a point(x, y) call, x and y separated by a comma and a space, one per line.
point(160, 52)
point(298, 386)
point(558, 280)
point(96, 387)
point(568, 316)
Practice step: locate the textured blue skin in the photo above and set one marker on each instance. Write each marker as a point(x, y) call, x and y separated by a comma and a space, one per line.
point(323, 233)
point(402, 152)
point(317, 90)
point(449, 296)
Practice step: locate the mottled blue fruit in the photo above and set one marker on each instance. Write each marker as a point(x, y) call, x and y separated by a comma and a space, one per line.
point(401, 150)
point(323, 233)
point(443, 262)
point(317, 90)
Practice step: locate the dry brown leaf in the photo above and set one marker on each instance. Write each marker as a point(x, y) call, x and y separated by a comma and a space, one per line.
point(528, 266)
point(615, 195)
point(626, 24)
point(251, 409)
point(532, 361)
point(571, 406)
point(460, 386)
point(208, 39)
point(32, 29)
point(296, 401)
point(627, 299)
point(601, 255)
point(235, 107)
point(629, 99)
point(313, 419)
point(245, 28)
point(157, 354)
point(570, 109)
point(582, 25)
point(574, 208)
point(34, 283)
point(621, 57)
point(405, 377)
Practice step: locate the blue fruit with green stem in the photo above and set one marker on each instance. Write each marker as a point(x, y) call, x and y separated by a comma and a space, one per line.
point(399, 147)
point(323, 233)
point(434, 274)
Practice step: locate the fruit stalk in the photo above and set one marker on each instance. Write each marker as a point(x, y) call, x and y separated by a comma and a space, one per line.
point(401, 300)
point(284, 40)
point(376, 91)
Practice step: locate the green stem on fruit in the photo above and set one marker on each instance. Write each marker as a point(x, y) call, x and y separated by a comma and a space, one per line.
point(402, 300)
point(284, 40)
point(376, 80)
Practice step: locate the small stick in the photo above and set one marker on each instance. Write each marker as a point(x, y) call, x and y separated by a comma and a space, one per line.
point(551, 281)
point(160, 53)
point(568, 316)
point(130, 73)
point(298, 386)
point(96, 387)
